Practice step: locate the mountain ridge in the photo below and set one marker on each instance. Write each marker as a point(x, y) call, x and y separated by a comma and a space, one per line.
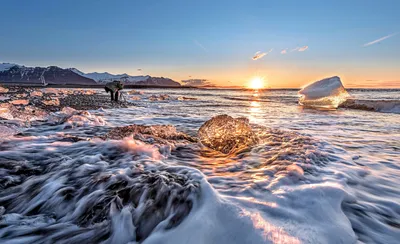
point(54, 75)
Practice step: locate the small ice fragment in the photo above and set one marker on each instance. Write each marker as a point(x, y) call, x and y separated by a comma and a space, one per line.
point(327, 93)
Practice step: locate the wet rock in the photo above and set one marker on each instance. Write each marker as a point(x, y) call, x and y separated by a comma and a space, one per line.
point(161, 97)
point(53, 102)
point(226, 134)
point(74, 139)
point(21, 95)
point(5, 111)
point(50, 90)
point(19, 102)
point(4, 98)
point(186, 98)
point(135, 98)
point(36, 94)
point(89, 102)
point(153, 133)
point(3, 89)
point(133, 92)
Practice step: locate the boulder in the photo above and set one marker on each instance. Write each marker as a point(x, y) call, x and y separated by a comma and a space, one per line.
point(227, 134)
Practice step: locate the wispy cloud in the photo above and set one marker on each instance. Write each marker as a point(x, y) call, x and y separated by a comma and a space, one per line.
point(294, 49)
point(284, 51)
point(299, 49)
point(259, 54)
point(200, 45)
point(302, 49)
point(379, 40)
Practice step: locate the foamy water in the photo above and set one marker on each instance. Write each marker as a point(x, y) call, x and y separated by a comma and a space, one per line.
point(317, 176)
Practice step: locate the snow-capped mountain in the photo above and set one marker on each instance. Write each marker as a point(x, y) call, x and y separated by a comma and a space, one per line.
point(41, 75)
point(107, 77)
point(14, 73)
point(6, 66)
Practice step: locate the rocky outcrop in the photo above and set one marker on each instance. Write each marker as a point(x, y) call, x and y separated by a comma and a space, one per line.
point(53, 75)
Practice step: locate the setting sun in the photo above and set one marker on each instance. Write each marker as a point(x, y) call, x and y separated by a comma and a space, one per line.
point(257, 83)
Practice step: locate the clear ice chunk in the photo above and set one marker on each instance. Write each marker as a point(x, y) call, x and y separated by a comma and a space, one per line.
point(326, 93)
point(226, 134)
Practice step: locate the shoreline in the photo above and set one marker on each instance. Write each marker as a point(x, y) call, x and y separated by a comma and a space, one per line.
point(32, 99)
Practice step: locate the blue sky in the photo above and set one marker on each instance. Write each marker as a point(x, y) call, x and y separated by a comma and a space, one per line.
point(212, 40)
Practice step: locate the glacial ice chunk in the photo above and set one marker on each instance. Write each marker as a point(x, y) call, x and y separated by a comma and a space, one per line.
point(226, 134)
point(327, 93)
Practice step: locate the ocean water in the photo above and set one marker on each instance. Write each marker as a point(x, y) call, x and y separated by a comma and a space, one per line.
point(318, 176)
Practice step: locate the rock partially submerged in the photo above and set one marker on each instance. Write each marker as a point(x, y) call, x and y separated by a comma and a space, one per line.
point(329, 93)
point(149, 134)
point(161, 97)
point(227, 134)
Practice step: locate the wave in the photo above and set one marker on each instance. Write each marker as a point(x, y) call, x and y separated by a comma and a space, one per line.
point(385, 106)
point(287, 188)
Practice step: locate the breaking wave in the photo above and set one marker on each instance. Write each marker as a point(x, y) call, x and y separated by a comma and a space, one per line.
point(385, 106)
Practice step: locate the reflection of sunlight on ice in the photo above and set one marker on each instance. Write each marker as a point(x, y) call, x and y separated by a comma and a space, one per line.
point(331, 102)
point(270, 232)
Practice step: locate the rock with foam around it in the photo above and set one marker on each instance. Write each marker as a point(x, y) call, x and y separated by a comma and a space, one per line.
point(226, 134)
point(328, 92)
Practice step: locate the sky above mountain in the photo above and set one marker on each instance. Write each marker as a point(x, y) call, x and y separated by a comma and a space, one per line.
point(289, 43)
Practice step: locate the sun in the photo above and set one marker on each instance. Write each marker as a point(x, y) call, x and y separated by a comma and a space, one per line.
point(257, 83)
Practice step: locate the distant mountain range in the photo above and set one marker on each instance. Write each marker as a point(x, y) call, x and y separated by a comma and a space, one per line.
point(53, 75)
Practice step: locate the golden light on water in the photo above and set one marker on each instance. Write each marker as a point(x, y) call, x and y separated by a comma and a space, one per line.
point(257, 83)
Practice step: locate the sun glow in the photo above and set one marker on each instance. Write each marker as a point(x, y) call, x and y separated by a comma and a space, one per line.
point(257, 83)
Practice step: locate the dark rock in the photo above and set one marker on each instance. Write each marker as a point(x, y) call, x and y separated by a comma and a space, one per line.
point(153, 133)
